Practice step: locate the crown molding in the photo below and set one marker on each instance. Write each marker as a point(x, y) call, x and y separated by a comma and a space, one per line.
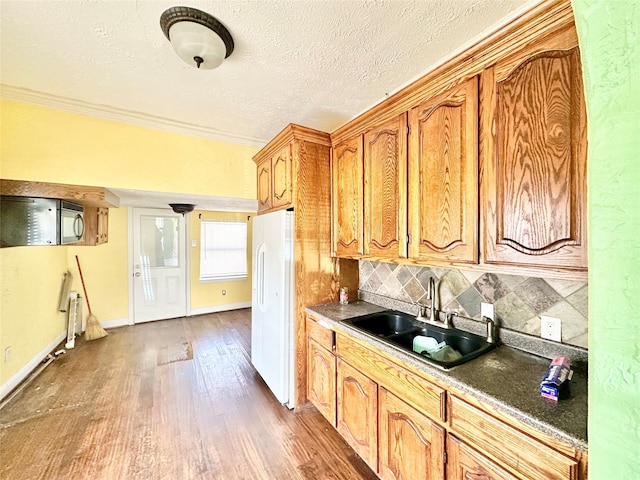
point(41, 99)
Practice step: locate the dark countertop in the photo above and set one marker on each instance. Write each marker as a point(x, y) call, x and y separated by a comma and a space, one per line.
point(505, 378)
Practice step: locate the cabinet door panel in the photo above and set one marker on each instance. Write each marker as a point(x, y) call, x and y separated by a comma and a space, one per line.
point(411, 446)
point(357, 412)
point(467, 464)
point(509, 445)
point(347, 178)
point(534, 170)
point(264, 186)
point(321, 383)
point(443, 173)
point(385, 190)
point(281, 171)
point(103, 225)
point(96, 225)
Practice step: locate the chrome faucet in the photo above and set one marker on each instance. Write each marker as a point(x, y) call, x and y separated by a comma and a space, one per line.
point(434, 316)
point(431, 295)
point(491, 329)
point(421, 312)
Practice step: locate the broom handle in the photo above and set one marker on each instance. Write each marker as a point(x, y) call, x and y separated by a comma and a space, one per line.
point(83, 287)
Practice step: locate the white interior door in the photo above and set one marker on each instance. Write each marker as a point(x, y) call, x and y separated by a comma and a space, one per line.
point(159, 265)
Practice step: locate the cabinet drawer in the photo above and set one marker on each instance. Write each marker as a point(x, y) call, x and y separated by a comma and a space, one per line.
point(320, 334)
point(513, 448)
point(465, 463)
point(418, 392)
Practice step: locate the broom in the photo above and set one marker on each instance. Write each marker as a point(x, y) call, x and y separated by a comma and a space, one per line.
point(94, 329)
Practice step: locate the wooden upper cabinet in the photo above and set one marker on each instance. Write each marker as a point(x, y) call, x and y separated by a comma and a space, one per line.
point(281, 174)
point(411, 445)
point(96, 225)
point(275, 185)
point(385, 189)
point(290, 164)
point(264, 186)
point(443, 177)
point(534, 158)
point(347, 204)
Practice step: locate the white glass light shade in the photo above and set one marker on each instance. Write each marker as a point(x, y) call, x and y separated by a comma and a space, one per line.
point(190, 40)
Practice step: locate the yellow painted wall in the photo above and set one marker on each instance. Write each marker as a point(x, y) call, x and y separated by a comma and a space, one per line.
point(53, 146)
point(105, 270)
point(30, 281)
point(204, 295)
point(41, 144)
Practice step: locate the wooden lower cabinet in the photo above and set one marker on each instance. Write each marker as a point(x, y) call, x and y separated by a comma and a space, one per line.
point(357, 417)
point(465, 463)
point(321, 381)
point(410, 445)
point(511, 447)
point(405, 435)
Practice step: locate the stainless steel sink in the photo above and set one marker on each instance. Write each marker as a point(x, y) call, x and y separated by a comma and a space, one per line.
point(399, 329)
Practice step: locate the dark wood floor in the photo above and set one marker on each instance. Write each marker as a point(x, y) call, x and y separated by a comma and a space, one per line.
point(175, 399)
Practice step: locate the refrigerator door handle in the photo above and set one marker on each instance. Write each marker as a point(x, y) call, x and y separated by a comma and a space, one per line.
point(260, 279)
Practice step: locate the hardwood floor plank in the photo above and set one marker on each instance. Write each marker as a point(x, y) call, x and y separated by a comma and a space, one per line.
point(174, 399)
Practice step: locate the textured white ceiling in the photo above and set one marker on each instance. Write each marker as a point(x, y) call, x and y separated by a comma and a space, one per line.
point(318, 63)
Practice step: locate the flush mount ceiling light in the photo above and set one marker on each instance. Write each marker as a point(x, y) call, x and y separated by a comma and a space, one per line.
point(182, 207)
point(198, 38)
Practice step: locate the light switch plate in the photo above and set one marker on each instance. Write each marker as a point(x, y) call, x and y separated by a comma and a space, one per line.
point(551, 328)
point(486, 310)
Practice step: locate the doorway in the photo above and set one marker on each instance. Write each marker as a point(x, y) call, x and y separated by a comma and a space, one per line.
point(157, 246)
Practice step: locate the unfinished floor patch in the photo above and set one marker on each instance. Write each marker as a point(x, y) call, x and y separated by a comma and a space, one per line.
point(178, 352)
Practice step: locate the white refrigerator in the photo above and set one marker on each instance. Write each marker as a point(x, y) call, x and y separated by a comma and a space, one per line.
point(272, 346)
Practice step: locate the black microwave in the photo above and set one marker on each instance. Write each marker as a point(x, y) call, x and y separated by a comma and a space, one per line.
point(39, 221)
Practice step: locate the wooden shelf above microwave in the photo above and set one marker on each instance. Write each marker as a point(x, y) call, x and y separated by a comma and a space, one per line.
point(82, 194)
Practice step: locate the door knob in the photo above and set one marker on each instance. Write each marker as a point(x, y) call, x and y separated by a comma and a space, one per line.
point(137, 274)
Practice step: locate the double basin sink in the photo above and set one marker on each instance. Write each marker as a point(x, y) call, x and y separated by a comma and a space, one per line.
point(399, 330)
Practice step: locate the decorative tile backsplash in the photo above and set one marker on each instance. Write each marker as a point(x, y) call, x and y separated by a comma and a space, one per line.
point(518, 301)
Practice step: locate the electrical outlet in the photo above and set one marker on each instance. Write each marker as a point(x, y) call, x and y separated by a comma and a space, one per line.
point(486, 310)
point(7, 354)
point(551, 328)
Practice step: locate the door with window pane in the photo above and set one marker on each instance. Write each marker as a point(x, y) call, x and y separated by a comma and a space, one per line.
point(159, 273)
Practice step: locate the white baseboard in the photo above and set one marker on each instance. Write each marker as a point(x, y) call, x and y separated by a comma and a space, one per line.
point(118, 322)
point(123, 322)
point(24, 372)
point(219, 308)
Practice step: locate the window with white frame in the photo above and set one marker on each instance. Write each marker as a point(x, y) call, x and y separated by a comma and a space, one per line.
point(223, 250)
